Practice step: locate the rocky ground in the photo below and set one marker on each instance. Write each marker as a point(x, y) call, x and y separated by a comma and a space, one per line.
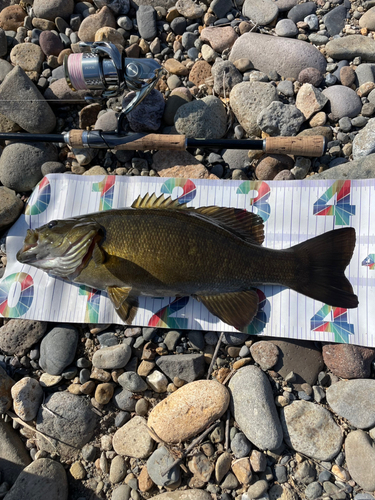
point(105, 411)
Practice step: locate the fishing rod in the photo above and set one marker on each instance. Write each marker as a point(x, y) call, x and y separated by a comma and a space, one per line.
point(103, 68)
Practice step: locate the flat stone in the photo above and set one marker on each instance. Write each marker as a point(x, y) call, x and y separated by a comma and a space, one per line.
point(187, 367)
point(146, 116)
point(226, 76)
point(11, 207)
point(352, 46)
point(124, 399)
point(58, 348)
point(311, 430)
point(253, 408)
point(133, 439)
point(242, 470)
point(146, 21)
point(280, 119)
point(201, 467)
point(59, 91)
point(265, 353)
point(27, 395)
point(191, 494)
point(368, 19)
point(92, 23)
point(354, 400)
point(345, 360)
point(159, 461)
point(310, 100)
point(300, 11)
point(360, 459)
point(43, 478)
point(189, 9)
point(189, 410)
point(364, 141)
point(17, 336)
point(261, 12)
point(247, 100)
point(220, 38)
point(169, 159)
point(235, 158)
point(50, 43)
point(310, 75)
point(270, 166)
point(188, 172)
point(50, 9)
point(132, 382)
point(28, 56)
point(113, 357)
point(204, 118)
point(287, 56)
point(13, 454)
point(335, 19)
point(11, 17)
point(69, 424)
point(17, 88)
point(343, 102)
point(175, 67)
point(301, 357)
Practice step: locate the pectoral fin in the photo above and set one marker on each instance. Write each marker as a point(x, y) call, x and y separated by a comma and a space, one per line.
point(126, 307)
point(237, 309)
point(99, 255)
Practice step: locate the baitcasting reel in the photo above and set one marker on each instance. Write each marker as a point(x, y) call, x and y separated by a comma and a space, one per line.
point(104, 69)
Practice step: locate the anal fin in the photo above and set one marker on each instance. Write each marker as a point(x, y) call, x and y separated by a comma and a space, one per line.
point(237, 308)
point(126, 307)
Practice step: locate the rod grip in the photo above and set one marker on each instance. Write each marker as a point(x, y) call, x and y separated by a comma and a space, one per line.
point(299, 146)
point(75, 138)
point(156, 141)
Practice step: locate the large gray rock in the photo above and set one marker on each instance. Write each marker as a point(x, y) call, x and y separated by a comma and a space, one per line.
point(335, 19)
point(13, 454)
point(202, 119)
point(253, 407)
point(58, 348)
point(343, 102)
point(19, 335)
point(360, 459)
point(352, 46)
point(280, 119)
point(247, 100)
point(50, 9)
point(354, 400)
point(188, 367)
point(17, 88)
point(310, 429)
point(11, 207)
point(364, 168)
point(287, 56)
point(364, 141)
point(20, 164)
point(261, 12)
point(43, 478)
point(146, 21)
point(69, 423)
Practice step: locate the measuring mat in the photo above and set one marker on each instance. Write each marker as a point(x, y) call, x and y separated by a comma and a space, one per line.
point(292, 211)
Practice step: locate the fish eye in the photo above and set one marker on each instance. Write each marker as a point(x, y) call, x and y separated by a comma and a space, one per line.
point(51, 224)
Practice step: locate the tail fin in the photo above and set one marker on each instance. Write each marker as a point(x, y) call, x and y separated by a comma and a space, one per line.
point(326, 257)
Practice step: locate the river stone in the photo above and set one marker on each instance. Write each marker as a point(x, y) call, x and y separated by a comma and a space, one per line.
point(113, 357)
point(28, 56)
point(334, 20)
point(27, 395)
point(43, 478)
point(226, 76)
point(146, 116)
point(6, 384)
point(13, 454)
point(69, 425)
point(50, 9)
point(37, 117)
point(360, 459)
point(189, 9)
point(11, 207)
point(301, 357)
point(20, 164)
point(193, 494)
point(311, 430)
point(11, 17)
point(174, 101)
point(364, 168)
point(287, 56)
point(220, 38)
point(253, 408)
point(58, 348)
point(60, 91)
point(18, 335)
point(203, 118)
point(160, 460)
point(310, 100)
point(286, 28)
point(247, 100)
point(91, 24)
point(346, 360)
point(133, 439)
point(299, 12)
point(364, 141)
point(280, 119)
point(343, 102)
point(132, 382)
point(368, 19)
point(265, 353)
point(124, 399)
point(188, 367)
point(146, 22)
point(352, 46)
point(261, 12)
point(189, 410)
point(354, 400)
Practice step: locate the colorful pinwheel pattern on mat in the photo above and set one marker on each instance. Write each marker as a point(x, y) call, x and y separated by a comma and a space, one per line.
point(342, 210)
point(188, 187)
point(339, 326)
point(260, 202)
point(40, 198)
point(106, 189)
point(92, 305)
point(20, 284)
point(369, 261)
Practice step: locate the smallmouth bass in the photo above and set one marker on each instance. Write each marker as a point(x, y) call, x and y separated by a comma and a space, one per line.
point(161, 248)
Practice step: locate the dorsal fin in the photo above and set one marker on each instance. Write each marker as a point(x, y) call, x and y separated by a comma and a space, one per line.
point(152, 201)
point(248, 225)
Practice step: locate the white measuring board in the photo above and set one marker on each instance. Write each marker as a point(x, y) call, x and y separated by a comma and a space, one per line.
point(293, 211)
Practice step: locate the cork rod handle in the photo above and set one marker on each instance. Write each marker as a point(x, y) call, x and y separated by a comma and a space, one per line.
point(299, 146)
point(156, 141)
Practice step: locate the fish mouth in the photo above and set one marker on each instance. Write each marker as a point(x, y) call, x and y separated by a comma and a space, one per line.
point(26, 253)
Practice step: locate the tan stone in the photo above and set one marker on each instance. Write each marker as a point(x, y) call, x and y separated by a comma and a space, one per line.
point(188, 171)
point(219, 38)
point(11, 18)
point(199, 72)
point(318, 120)
point(28, 56)
point(201, 467)
point(145, 368)
point(7, 125)
point(242, 470)
point(172, 14)
point(188, 411)
point(91, 24)
point(75, 388)
point(43, 24)
point(104, 393)
point(107, 34)
point(310, 100)
point(77, 470)
point(47, 380)
point(168, 159)
point(133, 439)
point(175, 67)
point(145, 483)
point(365, 89)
